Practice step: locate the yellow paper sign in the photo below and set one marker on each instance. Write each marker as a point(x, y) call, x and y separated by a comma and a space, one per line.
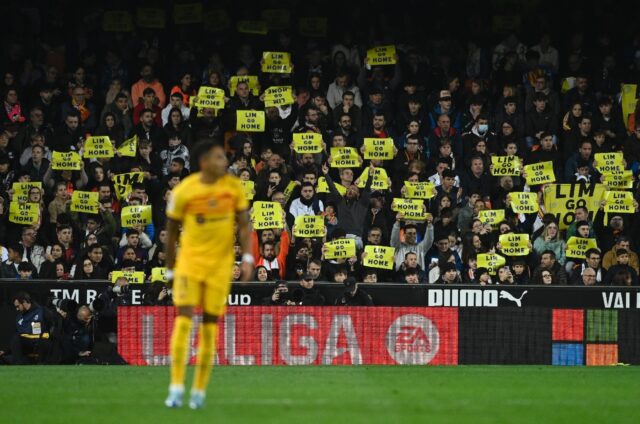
point(251, 80)
point(378, 148)
point(492, 216)
point(309, 226)
point(577, 246)
point(85, 202)
point(276, 19)
point(609, 162)
point(288, 190)
point(252, 27)
point(618, 180)
point(424, 190)
point(514, 244)
point(250, 120)
point(98, 147)
point(313, 27)
point(136, 215)
point(628, 100)
point(150, 18)
point(276, 62)
point(323, 187)
point(159, 274)
point(308, 142)
point(340, 249)
point(411, 209)
point(562, 200)
point(378, 257)
point(267, 215)
point(24, 213)
point(123, 183)
point(277, 96)
point(505, 166)
point(249, 189)
point(210, 98)
point(65, 161)
point(21, 190)
point(539, 173)
point(129, 147)
point(133, 277)
point(524, 202)
point(491, 262)
point(380, 179)
point(117, 21)
point(381, 55)
point(190, 13)
point(344, 157)
point(619, 202)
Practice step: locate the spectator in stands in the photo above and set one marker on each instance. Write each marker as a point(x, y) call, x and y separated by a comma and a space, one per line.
point(148, 80)
point(588, 277)
point(409, 264)
point(354, 295)
point(410, 242)
point(621, 273)
point(551, 240)
point(85, 109)
point(449, 274)
point(611, 257)
point(549, 265)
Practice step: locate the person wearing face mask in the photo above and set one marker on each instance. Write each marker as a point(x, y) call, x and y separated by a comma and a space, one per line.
point(176, 150)
point(479, 131)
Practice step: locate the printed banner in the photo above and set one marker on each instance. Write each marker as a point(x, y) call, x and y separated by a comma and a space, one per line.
point(122, 183)
point(66, 161)
point(308, 142)
point(378, 257)
point(251, 80)
point(381, 55)
point(505, 166)
point(492, 216)
point(249, 189)
point(514, 244)
point(24, 213)
point(629, 99)
point(133, 277)
point(21, 190)
point(340, 249)
point(524, 202)
point(491, 262)
point(578, 246)
point(563, 199)
point(539, 173)
point(309, 226)
point(411, 209)
point(129, 147)
point(619, 202)
point(85, 202)
point(267, 215)
point(424, 190)
point(159, 274)
point(618, 180)
point(607, 163)
point(323, 187)
point(250, 120)
point(276, 62)
point(380, 179)
point(98, 147)
point(344, 157)
point(132, 216)
point(277, 96)
point(288, 190)
point(378, 148)
point(209, 98)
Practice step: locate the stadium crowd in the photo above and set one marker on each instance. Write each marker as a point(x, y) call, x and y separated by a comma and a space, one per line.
point(448, 114)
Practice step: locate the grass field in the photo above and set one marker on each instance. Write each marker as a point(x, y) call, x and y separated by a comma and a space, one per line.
point(341, 394)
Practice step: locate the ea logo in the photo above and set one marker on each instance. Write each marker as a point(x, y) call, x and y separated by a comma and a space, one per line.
point(413, 340)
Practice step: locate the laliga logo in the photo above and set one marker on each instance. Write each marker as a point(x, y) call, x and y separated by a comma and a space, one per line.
point(412, 340)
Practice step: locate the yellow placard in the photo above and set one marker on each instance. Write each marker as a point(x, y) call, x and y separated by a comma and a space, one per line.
point(524, 202)
point(122, 183)
point(133, 277)
point(247, 26)
point(491, 262)
point(276, 62)
point(618, 180)
point(381, 55)
point(24, 213)
point(129, 147)
point(539, 173)
point(514, 244)
point(308, 142)
point(323, 187)
point(85, 202)
point(150, 18)
point(277, 96)
point(423, 190)
point(288, 190)
point(249, 189)
point(309, 226)
point(159, 273)
point(250, 120)
point(619, 202)
point(577, 246)
point(628, 100)
point(340, 249)
point(21, 190)
point(66, 161)
point(132, 216)
point(607, 163)
point(380, 179)
point(491, 216)
point(378, 148)
point(412, 209)
point(98, 147)
point(378, 257)
point(117, 21)
point(562, 200)
point(344, 157)
point(276, 19)
point(209, 98)
point(313, 26)
point(505, 166)
point(266, 215)
point(251, 80)
point(190, 13)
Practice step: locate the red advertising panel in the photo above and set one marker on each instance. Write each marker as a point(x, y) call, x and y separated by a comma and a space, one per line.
point(257, 335)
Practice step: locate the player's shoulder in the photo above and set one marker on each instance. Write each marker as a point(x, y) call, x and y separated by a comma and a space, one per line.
point(231, 180)
point(188, 182)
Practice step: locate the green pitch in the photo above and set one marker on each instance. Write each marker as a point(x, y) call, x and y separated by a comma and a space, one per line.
point(341, 394)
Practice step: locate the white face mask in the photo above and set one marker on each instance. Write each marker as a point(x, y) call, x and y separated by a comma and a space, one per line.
point(483, 128)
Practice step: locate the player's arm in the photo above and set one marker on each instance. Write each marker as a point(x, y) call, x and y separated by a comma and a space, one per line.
point(173, 233)
point(244, 236)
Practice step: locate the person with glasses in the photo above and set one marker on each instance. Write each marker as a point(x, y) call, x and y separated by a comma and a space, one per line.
point(549, 271)
point(550, 240)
